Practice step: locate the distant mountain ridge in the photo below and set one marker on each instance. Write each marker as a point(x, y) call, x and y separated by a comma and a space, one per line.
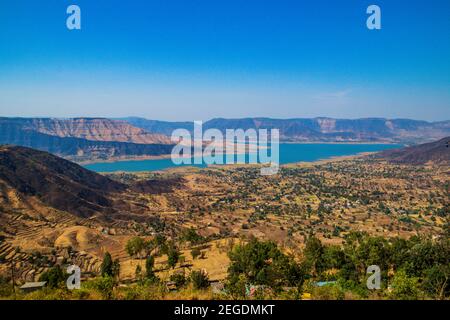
point(31, 132)
point(93, 139)
point(95, 129)
point(319, 129)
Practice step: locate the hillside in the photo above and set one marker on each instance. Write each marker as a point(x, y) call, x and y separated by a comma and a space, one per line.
point(437, 152)
point(320, 129)
point(56, 182)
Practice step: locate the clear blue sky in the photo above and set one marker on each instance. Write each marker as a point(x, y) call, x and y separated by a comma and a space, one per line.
point(199, 59)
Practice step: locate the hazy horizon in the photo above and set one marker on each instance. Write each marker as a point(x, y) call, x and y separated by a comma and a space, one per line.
point(225, 118)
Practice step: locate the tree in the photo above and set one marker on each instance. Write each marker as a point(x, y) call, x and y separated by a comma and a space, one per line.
point(138, 273)
point(199, 279)
point(135, 246)
point(262, 263)
point(160, 244)
point(54, 277)
point(192, 236)
point(404, 287)
point(116, 268)
point(149, 264)
point(106, 269)
point(437, 281)
point(313, 254)
point(172, 256)
point(332, 257)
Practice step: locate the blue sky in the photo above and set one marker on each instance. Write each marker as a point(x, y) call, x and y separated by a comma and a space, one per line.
point(199, 59)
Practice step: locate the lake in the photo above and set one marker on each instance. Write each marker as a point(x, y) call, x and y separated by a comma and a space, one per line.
point(289, 153)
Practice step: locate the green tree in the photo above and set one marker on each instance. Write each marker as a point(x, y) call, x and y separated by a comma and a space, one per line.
point(173, 254)
point(135, 246)
point(192, 236)
point(313, 255)
point(160, 244)
point(115, 269)
point(149, 264)
point(437, 281)
point(138, 273)
point(106, 268)
point(404, 287)
point(262, 263)
point(54, 277)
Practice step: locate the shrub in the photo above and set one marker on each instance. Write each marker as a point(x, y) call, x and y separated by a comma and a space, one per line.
point(179, 279)
point(105, 286)
point(199, 279)
point(195, 253)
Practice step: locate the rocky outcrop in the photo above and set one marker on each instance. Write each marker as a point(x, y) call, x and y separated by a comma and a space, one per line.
point(95, 129)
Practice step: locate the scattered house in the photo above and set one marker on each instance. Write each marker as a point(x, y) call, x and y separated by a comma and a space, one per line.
point(218, 287)
point(33, 286)
point(251, 290)
point(324, 283)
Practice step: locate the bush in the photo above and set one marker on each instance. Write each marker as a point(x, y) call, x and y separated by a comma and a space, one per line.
point(195, 253)
point(328, 292)
point(179, 279)
point(5, 287)
point(105, 286)
point(199, 279)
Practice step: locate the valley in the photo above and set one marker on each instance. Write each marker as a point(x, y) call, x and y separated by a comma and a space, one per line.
point(54, 212)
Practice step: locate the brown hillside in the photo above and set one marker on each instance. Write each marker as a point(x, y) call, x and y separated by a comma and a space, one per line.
point(435, 152)
point(56, 182)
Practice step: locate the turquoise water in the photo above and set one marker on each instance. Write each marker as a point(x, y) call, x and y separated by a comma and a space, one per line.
point(289, 153)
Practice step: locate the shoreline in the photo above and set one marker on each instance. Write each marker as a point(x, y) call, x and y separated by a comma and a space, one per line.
point(168, 156)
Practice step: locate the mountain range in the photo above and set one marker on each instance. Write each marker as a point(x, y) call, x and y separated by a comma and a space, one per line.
point(83, 138)
point(318, 129)
point(93, 139)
